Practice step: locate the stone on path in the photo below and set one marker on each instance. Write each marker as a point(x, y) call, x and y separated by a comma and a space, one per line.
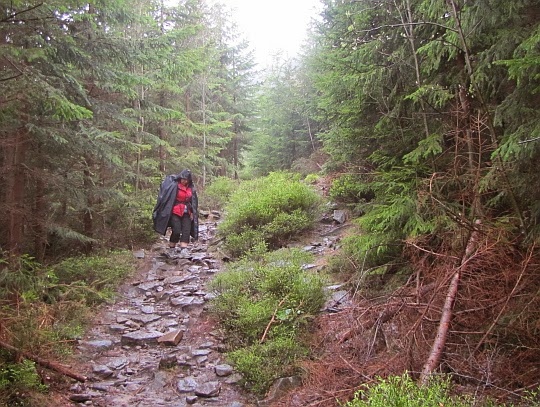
point(102, 371)
point(139, 254)
point(223, 370)
point(207, 390)
point(104, 344)
point(187, 385)
point(140, 338)
point(340, 216)
point(171, 338)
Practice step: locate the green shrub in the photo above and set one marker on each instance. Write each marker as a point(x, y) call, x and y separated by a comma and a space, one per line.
point(217, 194)
point(46, 308)
point(18, 378)
point(351, 188)
point(311, 178)
point(261, 364)
point(402, 391)
point(243, 242)
point(255, 291)
point(278, 207)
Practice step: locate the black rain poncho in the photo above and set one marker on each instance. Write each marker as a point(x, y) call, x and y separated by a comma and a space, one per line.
point(166, 200)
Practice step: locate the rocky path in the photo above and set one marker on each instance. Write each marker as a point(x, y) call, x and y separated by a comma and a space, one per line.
point(155, 346)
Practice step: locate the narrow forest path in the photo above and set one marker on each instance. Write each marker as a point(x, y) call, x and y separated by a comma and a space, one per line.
point(157, 346)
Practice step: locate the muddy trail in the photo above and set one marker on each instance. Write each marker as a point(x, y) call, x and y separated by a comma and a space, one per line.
point(157, 345)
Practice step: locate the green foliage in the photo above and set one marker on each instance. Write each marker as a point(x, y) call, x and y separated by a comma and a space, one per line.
point(18, 378)
point(275, 209)
point(261, 364)
point(91, 277)
point(402, 391)
point(19, 275)
point(268, 296)
point(217, 194)
point(351, 188)
point(311, 178)
point(53, 303)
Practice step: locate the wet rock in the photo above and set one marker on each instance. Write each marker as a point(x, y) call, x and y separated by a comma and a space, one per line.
point(194, 269)
point(161, 380)
point(132, 324)
point(206, 345)
point(103, 387)
point(145, 319)
point(191, 399)
point(139, 254)
point(148, 285)
point(207, 390)
point(172, 338)
point(190, 288)
point(181, 301)
point(101, 345)
point(118, 363)
point(121, 319)
point(140, 337)
point(102, 371)
point(340, 216)
point(173, 280)
point(117, 328)
point(80, 398)
point(187, 385)
point(223, 370)
point(308, 266)
point(147, 309)
point(200, 352)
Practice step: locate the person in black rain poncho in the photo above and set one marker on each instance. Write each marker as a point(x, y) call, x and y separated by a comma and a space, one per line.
point(176, 208)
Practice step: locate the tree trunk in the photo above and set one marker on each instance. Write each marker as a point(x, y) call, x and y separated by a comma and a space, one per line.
point(444, 324)
point(88, 220)
point(39, 219)
point(15, 197)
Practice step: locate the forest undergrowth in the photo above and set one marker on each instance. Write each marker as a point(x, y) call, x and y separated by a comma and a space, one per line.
point(382, 342)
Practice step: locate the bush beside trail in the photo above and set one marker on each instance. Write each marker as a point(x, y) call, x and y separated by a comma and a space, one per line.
point(270, 210)
point(265, 304)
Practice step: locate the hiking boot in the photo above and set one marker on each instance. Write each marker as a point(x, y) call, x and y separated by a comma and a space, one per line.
point(184, 252)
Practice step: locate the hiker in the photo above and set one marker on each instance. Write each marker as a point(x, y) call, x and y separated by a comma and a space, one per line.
point(176, 208)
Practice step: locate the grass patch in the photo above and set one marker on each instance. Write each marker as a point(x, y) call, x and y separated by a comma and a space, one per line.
point(44, 309)
point(265, 302)
point(403, 391)
point(217, 194)
point(273, 209)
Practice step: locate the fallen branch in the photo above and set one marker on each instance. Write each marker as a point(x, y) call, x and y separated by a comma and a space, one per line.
point(45, 363)
point(272, 320)
point(446, 316)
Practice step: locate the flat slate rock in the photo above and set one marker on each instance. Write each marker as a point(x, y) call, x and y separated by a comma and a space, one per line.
point(140, 337)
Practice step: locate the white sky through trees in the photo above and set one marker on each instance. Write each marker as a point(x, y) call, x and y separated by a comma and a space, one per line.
point(273, 25)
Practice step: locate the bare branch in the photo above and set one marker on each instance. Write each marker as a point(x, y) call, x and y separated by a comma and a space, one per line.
point(13, 15)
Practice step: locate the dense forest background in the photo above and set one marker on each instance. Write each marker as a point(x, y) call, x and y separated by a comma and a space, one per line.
point(422, 114)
